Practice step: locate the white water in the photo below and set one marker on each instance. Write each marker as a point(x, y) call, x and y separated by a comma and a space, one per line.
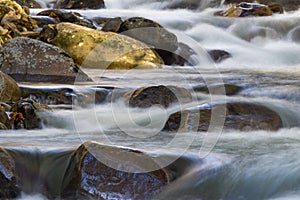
point(242, 165)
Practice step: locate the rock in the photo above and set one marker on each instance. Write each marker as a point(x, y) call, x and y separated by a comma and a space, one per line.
point(104, 172)
point(218, 55)
point(164, 96)
point(112, 25)
point(29, 3)
point(4, 120)
point(44, 20)
point(15, 21)
point(79, 4)
point(67, 16)
point(9, 90)
point(9, 188)
point(64, 95)
point(31, 60)
point(25, 114)
point(98, 49)
point(230, 89)
point(245, 9)
point(149, 32)
point(244, 117)
point(288, 5)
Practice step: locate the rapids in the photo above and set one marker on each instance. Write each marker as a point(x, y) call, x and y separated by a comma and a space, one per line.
point(225, 165)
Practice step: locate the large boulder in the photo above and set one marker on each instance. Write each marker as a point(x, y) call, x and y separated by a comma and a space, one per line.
point(79, 4)
point(104, 172)
point(164, 96)
point(9, 187)
point(98, 49)
point(9, 90)
point(30, 60)
point(242, 116)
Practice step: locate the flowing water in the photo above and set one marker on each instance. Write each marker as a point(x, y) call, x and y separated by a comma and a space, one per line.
point(222, 164)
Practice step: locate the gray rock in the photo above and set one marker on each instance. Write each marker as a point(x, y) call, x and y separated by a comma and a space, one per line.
point(79, 4)
point(30, 60)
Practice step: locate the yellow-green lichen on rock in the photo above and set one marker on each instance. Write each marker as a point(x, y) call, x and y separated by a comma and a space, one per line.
point(97, 49)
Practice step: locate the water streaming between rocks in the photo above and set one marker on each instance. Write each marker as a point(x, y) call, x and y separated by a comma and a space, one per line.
point(265, 62)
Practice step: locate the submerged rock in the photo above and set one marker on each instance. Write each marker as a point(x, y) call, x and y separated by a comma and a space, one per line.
point(31, 60)
point(25, 114)
point(79, 4)
point(98, 49)
point(9, 90)
point(165, 96)
point(243, 116)
point(218, 55)
point(230, 89)
point(104, 172)
point(9, 188)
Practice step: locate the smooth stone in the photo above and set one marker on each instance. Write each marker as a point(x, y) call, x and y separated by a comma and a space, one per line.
point(218, 55)
point(112, 25)
point(96, 171)
point(230, 89)
point(79, 4)
point(149, 32)
point(30, 60)
point(243, 116)
point(165, 96)
point(9, 89)
point(99, 49)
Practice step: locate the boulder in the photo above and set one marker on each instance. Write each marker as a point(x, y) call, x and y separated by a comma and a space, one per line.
point(66, 16)
point(243, 116)
point(149, 32)
point(9, 90)
point(25, 114)
point(9, 187)
point(112, 25)
point(105, 172)
point(30, 60)
point(79, 4)
point(165, 96)
point(99, 49)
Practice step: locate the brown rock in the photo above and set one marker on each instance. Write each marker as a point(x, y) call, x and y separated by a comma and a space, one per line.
point(104, 172)
point(29, 3)
point(112, 25)
point(4, 120)
point(9, 90)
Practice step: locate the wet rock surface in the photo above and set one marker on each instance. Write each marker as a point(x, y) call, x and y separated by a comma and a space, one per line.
point(66, 16)
point(9, 187)
point(92, 174)
point(287, 4)
point(242, 116)
point(98, 49)
point(30, 60)
point(25, 114)
point(9, 89)
point(218, 55)
point(79, 4)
